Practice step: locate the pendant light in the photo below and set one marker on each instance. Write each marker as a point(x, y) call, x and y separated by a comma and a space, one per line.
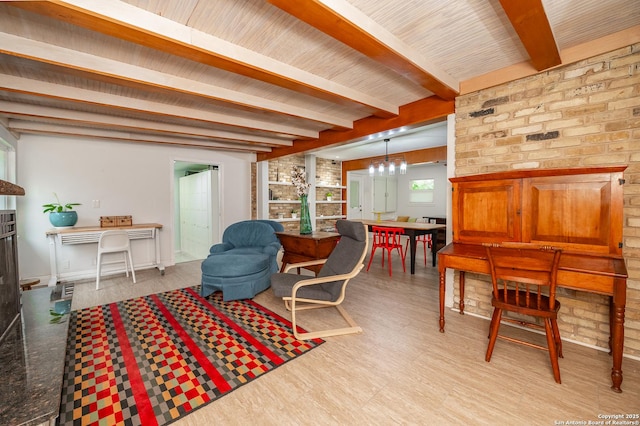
point(389, 166)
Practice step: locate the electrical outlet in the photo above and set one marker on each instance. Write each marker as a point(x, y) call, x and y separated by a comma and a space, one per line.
point(95, 204)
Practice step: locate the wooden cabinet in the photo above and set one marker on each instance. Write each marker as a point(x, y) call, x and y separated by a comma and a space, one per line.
point(486, 210)
point(577, 209)
point(303, 248)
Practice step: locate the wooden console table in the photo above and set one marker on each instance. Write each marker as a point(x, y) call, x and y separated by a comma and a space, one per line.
point(578, 210)
point(590, 273)
point(302, 248)
point(91, 234)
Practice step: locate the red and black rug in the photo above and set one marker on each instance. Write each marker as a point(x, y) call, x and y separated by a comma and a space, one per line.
point(153, 359)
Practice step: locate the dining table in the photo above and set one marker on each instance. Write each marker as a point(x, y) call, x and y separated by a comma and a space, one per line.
point(411, 230)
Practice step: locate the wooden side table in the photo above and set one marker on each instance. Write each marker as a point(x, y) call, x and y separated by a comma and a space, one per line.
point(302, 248)
point(26, 284)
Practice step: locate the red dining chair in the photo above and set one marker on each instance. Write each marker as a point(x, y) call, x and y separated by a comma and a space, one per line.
point(425, 239)
point(387, 239)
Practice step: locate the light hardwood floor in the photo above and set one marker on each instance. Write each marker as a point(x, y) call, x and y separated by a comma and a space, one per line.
point(401, 370)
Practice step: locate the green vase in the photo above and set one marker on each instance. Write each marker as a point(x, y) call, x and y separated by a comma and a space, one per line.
point(305, 218)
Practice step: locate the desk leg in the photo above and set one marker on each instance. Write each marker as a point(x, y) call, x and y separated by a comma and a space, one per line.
point(461, 293)
point(159, 264)
point(285, 261)
point(53, 261)
point(442, 290)
point(616, 323)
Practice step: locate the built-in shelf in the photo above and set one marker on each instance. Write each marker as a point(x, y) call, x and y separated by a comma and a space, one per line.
point(286, 219)
point(331, 186)
point(326, 179)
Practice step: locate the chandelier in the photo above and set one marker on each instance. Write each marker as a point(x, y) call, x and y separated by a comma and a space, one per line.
point(386, 164)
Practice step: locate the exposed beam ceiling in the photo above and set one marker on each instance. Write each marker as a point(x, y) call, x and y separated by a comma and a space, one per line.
point(126, 74)
point(277, 77)
point(118, 19)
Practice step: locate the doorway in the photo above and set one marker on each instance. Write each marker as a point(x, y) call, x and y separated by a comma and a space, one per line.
point(196, 210)
point(355, 195)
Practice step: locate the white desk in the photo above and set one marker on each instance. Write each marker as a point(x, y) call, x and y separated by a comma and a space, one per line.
point(91, 234)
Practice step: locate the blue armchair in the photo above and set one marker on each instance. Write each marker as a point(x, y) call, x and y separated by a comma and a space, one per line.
point(242, 264)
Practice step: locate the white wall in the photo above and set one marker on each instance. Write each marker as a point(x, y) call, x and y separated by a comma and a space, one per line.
point(438, 208)
point(128, 178)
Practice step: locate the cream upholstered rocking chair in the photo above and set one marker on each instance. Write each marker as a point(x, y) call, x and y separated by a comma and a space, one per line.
point(328, 289)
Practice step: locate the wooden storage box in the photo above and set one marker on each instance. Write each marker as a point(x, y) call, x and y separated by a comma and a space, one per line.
point(113, 221)
point(124, 221)
point(107, 221)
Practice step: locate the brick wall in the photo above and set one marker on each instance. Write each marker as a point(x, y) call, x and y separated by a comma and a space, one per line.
point(280, 171)
point(328, 172)
point(579, 115)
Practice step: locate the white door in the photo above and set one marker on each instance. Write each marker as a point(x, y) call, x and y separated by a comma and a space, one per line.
point(199, 212)
point(355, 195)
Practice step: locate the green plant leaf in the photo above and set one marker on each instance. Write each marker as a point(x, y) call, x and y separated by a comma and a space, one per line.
point(58, 207)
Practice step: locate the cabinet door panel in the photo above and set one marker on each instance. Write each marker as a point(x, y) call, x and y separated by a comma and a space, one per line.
point(486, 211)
point(384, 194)
point(574, 212)
point(379, 194)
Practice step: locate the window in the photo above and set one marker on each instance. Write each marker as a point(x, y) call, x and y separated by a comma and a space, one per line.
point(421, 191)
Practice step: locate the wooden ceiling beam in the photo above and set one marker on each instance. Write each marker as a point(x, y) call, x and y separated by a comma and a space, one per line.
point(148, 79)
point(419, 156)
point(532, 25)
point(27, 112)
point(60, 130)
point(570, 55)
point(122, 103)
point(342, 21)
point(422, 112)
point(126, 22)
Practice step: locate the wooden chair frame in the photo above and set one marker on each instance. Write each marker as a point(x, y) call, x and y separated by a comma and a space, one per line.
point(295, 304)
point(518, 282)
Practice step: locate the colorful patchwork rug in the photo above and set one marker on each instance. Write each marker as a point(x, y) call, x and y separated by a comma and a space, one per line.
point(150, 360)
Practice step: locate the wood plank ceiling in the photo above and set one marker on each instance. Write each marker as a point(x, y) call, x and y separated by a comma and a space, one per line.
point(277, 77)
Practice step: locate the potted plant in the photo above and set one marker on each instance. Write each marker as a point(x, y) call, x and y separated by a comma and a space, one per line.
point(294, 213)
point(329, 195)
point(61, 215)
